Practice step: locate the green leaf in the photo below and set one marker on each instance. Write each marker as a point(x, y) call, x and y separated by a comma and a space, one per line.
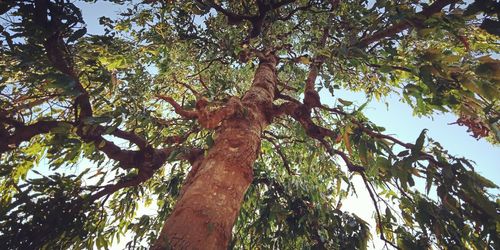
point(385, 69)
point(209, 141)
point(63, 128)
point(419, 144)
point(430, 173)
point(63, 82)
point(173, 155)
point(96, 120)
point(363, 106)
point(403, 153)
point(483, 181)
point(426, 75)
point(344, 102)
point(77, 34)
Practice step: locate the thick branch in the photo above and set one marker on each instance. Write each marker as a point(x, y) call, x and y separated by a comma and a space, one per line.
point(207, 118)
point(233, 18)
point(60, 58)
point(13, 132)
point(146, 173)
point(146, 156)
point(212, 119)
point(311, 96)
point(302, 114)
point(23, 133)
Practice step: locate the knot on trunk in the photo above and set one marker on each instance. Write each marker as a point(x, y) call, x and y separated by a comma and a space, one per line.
point(212, 119)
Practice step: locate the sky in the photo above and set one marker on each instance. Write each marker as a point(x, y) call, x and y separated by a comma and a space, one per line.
point(397, 118)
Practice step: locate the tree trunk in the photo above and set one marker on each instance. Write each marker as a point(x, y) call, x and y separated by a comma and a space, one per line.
point(210, 200)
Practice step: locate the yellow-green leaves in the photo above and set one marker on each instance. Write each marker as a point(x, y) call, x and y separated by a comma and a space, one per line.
point(114, 62)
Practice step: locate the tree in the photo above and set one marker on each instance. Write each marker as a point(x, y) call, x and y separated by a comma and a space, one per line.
point(214, 111)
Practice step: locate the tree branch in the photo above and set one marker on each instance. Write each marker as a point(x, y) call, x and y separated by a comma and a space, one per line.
point(142, 176)
point(60, 58)
point(302, 114)
point(393, 67)
point(23, 132)
point(132, 137)
point(350, 166)
point(311, 96)
point(194, 156)
point(424, 155)
point(377, 211)
point(207, 118)
point(257, 20)
point(435, 7)
point(291, 13)
point(188, 114)
point(277, 147)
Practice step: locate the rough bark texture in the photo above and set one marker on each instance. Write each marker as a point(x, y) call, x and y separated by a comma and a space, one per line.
point(211, 198)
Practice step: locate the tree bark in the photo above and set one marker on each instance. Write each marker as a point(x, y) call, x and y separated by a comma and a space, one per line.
point(210, 200)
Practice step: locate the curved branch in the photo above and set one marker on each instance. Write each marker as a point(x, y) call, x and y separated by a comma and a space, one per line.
point(134, 181)
point(194, 156)
point(291, 13)
point(301, 113)
point(188, 114)
point(311, 96)
point(277, 147)
point(392, 30)
point(390, 66)
point(206, 118)
point(233, 18)
point(23, 132)
point(351, 166)
point(127, 158)
point(424, 156)
point(132, 137)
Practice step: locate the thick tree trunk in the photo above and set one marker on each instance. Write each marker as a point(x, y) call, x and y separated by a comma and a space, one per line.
point(211, 198)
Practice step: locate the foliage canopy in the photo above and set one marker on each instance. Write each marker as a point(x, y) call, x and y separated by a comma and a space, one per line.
point(103, 105)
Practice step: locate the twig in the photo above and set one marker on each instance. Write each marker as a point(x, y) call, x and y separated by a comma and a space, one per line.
point(377, 211)
point(281, 154)
point(189, 114)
